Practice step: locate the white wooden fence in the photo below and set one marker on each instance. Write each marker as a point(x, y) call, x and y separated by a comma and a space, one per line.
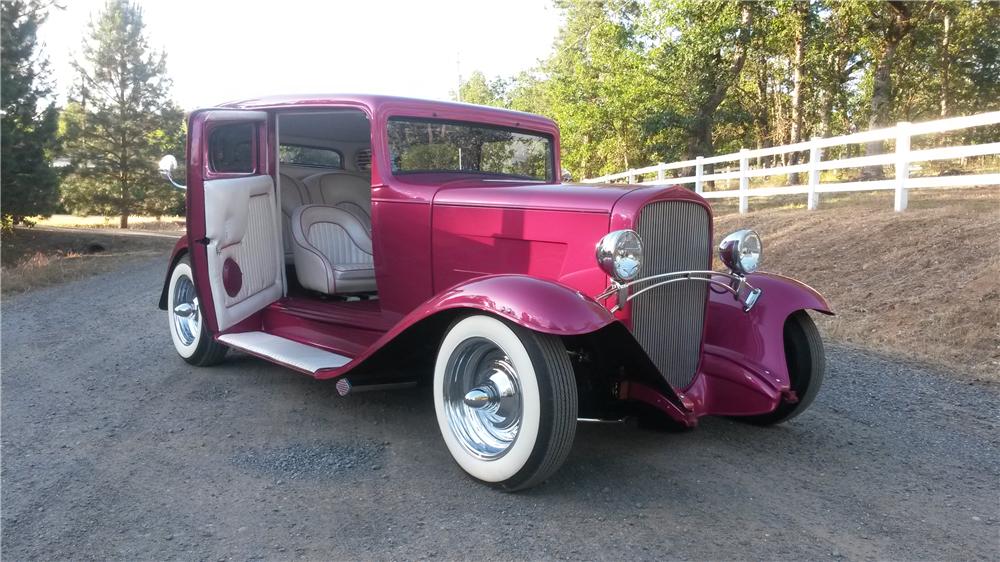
point(903, 158)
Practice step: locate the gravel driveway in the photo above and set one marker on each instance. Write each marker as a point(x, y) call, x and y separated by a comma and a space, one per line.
point(115, 448)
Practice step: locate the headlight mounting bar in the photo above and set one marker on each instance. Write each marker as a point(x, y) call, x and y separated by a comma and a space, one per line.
point(734, 284)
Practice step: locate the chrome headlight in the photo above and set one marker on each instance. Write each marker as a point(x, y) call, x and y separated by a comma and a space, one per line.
point(741, 251)
point(620, 254)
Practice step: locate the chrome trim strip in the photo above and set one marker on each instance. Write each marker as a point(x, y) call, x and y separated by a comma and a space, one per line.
point(735, 286)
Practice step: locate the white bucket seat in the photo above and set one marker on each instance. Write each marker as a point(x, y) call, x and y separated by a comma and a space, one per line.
point(345, 191)
point(332, 251)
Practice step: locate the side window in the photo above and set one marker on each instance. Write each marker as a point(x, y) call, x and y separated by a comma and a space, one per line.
point(310, 156)
point(230, 148)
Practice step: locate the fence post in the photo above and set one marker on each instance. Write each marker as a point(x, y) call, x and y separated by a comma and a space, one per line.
point(815, 154)
point(902, 163)
point(631, 176)
point(661, 174)
point(744, 182)
point(699, 170)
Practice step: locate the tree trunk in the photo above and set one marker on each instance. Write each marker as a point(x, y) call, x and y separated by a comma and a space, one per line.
point(123, 222)
point(763, 116)
point(881, 103)
point(802, 14)
point(945, 65)
point(826, 113)
point(700, 132)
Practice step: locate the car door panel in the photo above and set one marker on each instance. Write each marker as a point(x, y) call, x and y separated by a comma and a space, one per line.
point(240, 227)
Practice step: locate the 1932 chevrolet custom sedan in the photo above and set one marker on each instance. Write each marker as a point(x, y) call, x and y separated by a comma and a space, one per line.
point(381, 241)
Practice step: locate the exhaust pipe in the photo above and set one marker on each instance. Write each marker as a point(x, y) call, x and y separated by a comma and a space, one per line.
point(345, 386)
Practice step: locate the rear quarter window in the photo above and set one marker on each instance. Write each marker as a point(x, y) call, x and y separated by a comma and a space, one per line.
point(310, 156)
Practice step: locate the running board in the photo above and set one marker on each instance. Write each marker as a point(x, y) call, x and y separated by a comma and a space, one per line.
point(298, 356)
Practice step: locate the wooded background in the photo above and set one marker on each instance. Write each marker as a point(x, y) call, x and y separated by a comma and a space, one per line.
point(630, 83)
point(634, 83)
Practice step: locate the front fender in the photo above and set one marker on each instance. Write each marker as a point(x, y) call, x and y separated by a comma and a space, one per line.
point(180, 248)
point(744, 354)
point(536, 304)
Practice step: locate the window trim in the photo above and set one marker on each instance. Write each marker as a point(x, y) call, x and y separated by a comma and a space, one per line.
point(444, 121)
point(300, 145)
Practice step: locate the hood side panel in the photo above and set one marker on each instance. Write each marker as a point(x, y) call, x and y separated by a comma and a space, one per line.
point(473, 241)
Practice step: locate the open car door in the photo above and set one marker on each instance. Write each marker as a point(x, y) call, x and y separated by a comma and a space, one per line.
point(232, 215)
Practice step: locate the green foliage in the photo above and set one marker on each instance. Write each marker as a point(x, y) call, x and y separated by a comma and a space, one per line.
point(28, 137)
point(632, 83)
point(119, 121)
point(477, 89)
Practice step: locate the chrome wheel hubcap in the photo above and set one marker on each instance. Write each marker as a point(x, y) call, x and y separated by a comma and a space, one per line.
point(482, 398)
point(187, 318)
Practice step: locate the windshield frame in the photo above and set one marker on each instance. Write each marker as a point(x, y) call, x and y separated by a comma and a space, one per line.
point(547, 136)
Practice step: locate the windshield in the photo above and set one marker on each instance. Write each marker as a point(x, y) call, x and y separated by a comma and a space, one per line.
point(429, 146)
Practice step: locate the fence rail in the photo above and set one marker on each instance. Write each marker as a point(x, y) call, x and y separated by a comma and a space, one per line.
point(902, 158)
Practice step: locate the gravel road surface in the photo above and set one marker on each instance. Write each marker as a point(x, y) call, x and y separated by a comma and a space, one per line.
point(113, 447)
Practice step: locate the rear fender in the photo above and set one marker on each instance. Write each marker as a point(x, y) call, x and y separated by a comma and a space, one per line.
point(536, 304)
point(744, 355)
point(180, 249)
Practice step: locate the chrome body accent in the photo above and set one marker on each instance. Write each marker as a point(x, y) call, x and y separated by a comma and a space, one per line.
point(186, 316)
point(619, 254)
point(669, 322)
point(736, 286)
point(741, 251)
point(482, 398)
point(167, 166)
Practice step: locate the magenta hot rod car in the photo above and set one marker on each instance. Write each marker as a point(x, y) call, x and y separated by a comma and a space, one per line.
point(382, 241)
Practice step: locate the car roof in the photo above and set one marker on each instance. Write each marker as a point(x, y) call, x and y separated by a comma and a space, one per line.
point(395, 104)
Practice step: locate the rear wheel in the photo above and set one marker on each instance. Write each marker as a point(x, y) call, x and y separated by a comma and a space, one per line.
point(506, 401)
point(806, 365)
point(192, 340)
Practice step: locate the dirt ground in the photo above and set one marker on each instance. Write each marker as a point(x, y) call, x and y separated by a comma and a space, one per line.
point(114, 448)
point(922, 284)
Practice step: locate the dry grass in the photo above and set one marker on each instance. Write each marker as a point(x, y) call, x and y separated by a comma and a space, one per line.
point(164, 224)
point(923, 284)
point(39, 257)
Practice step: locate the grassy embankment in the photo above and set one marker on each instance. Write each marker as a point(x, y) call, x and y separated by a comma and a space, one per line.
point(922, 284)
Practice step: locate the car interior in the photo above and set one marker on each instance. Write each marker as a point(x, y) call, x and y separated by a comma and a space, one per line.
point(324, 186)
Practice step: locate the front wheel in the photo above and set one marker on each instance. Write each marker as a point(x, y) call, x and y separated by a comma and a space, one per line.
point(806, 362)
point(506, 401)
point(192, 340)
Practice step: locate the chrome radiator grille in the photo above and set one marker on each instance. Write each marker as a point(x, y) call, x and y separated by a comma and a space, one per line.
point(667, 321)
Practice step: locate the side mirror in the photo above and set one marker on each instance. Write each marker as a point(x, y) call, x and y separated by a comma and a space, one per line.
point(566, 176)
point(167, 166)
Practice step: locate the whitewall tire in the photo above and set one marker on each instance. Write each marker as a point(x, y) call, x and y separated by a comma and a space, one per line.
point(506, 401)
point(192, 340)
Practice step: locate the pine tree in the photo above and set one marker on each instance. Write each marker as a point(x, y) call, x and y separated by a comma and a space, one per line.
point(120, 120)
point(30, 186)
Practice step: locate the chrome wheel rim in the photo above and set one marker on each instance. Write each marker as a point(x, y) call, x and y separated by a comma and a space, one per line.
point(187, 317)
point(482, 398)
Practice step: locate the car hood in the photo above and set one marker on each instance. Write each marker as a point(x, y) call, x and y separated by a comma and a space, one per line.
point(586, 197)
